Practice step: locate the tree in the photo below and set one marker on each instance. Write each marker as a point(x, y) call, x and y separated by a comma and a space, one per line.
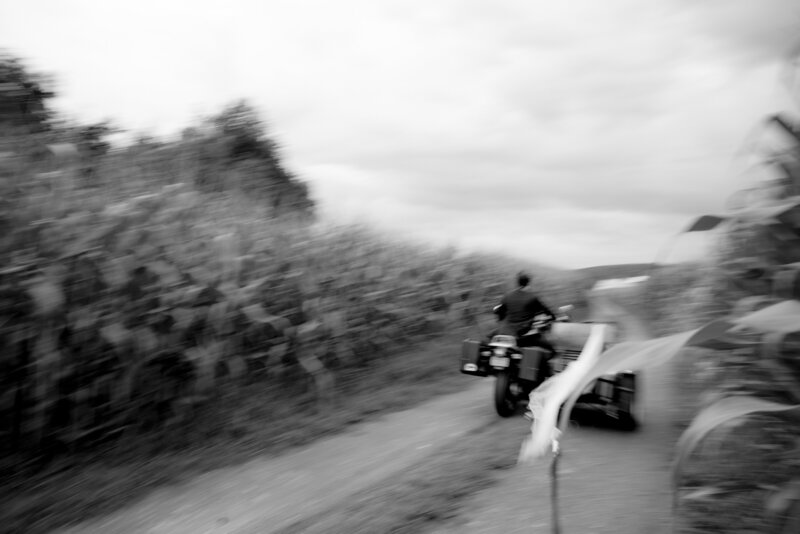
point(23, 96)
point(237, 152)
point(91, 139)
point(243, 131)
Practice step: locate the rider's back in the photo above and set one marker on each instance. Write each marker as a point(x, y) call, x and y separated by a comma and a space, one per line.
point(521, 306)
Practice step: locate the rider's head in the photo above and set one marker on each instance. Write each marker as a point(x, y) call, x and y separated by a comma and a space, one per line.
point(523, 279)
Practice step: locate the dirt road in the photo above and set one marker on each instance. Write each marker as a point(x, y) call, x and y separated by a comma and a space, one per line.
point(267, 495)
point(611, 481)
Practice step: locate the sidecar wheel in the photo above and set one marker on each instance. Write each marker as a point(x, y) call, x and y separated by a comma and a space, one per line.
point(626, 404)
point(626, 420)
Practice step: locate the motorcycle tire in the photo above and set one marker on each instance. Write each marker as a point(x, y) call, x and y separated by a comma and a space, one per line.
point(505, 403)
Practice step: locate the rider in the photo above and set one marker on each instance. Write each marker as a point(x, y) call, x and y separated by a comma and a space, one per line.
point(517, 311)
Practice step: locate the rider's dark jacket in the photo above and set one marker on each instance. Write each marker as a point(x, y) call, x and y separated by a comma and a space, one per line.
point(518, 309)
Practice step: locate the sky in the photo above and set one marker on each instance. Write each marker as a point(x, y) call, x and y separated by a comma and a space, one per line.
point(571, 133)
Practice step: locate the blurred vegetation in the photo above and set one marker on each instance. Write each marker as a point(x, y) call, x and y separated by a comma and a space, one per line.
point(739, 459)
point(735, 317)
point(179, 296)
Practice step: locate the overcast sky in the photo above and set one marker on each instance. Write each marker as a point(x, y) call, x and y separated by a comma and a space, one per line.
point(574, 133)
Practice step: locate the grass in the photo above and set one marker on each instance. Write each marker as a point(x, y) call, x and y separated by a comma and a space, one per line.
point(244, 423)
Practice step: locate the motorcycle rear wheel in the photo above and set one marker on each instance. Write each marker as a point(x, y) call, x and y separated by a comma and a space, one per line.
point(505, 402)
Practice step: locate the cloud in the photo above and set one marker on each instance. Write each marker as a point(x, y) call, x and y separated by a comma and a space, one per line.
point(581, 132)
point(594, 125)
point(747, 32)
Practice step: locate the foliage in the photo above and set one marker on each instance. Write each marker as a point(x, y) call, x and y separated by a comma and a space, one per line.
point(749, 375)
point(23, 96)
point(127, 316)
point(92, 139)
point(232, 150)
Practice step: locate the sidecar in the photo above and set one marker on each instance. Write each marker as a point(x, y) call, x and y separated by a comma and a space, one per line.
point(613, 393)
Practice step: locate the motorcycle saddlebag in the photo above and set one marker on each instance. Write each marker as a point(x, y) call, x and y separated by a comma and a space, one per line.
point(471, 363)
point(532, 358)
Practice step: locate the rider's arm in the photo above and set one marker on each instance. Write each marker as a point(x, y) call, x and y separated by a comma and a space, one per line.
point(547, 311)
point(501, 311)
point(538, 307)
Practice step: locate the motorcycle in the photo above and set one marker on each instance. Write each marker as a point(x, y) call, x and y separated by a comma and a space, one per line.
point(518, 364)
point(519, 368)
